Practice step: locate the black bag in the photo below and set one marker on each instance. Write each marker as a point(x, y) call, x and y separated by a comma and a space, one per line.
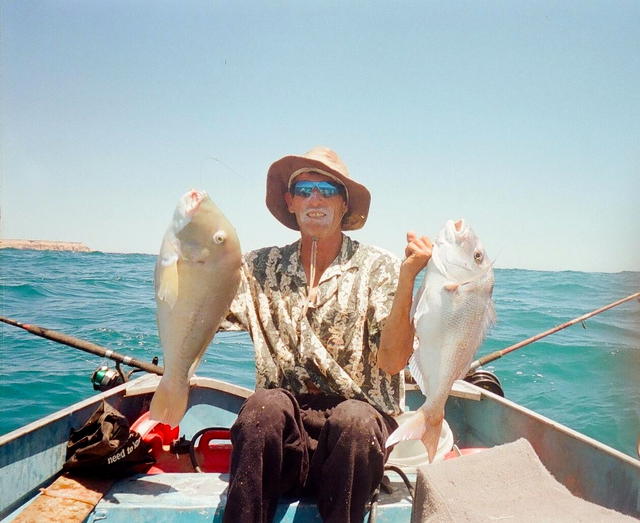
point(104, 446)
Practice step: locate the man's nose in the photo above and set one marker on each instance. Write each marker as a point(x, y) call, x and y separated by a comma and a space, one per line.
point(316, 195)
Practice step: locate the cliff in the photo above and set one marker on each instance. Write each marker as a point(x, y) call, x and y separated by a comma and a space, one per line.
point(44, 245)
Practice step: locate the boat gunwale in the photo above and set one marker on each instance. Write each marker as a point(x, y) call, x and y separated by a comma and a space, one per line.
point(141, 385)
point(556, 425)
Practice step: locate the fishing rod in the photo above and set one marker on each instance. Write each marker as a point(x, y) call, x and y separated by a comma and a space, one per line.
point(84, 345)
point(498, 354)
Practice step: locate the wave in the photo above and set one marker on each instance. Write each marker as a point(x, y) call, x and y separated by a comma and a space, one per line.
point(20, 291)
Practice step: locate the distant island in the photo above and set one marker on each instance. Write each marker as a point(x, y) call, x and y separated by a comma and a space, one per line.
point(44, 245)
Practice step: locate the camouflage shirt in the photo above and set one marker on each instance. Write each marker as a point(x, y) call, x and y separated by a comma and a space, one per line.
point(332, 347)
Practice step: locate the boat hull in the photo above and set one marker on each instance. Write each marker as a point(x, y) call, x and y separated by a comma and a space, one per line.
point(31, 457)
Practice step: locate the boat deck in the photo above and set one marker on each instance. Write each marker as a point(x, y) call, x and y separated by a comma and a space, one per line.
point(202, 497)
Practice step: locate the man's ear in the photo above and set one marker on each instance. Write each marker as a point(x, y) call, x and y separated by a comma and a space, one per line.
point(288, 200)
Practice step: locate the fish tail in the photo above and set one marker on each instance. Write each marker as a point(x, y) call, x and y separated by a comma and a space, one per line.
point(420, 426)
point(413, 428)
point(431, 436)
point(169, 402)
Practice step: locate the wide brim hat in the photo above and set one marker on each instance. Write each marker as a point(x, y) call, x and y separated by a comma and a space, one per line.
point(321, 160)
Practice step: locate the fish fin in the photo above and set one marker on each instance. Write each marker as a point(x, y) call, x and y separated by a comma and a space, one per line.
point(169, 402)
point(489, 318)
point(198, 358)
point(413, 428)
point(167, 281)
point(451, 287)
point(414, 303)
point(431, 436)
point(414, 369)
point(196, 362)
point(419, 305)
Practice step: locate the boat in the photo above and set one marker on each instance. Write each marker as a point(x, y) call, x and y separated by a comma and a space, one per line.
point(31, 458)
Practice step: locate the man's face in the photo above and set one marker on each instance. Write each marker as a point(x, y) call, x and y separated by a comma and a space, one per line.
point(317, 216)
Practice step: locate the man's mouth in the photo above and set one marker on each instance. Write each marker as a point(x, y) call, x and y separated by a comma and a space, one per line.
point(316, 214)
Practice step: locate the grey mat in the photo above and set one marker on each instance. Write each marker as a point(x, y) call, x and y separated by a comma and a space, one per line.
point(507, 483)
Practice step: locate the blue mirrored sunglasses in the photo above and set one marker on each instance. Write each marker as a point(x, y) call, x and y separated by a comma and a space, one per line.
point(304, 188)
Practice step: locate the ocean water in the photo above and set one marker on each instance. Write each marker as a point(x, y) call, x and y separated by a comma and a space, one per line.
point(586, 378)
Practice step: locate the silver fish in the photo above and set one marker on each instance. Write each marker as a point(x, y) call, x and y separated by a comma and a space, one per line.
point(451, 313)
point(196, 278)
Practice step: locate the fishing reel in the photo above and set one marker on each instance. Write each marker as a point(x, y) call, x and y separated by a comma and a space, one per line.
point(105, 378)
point(486, 380)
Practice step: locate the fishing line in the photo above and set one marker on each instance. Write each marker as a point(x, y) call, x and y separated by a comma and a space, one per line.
point(312, 277)
point(228, 167)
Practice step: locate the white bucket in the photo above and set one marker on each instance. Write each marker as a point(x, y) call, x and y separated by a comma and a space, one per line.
point(412, 453)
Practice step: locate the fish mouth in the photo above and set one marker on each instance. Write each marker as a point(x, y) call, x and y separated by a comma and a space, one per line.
point(188, 204)
point(459, 227)
point(192, 201)
point(452, 230)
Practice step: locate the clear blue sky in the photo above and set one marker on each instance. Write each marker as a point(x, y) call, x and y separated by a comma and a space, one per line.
point(522, 117)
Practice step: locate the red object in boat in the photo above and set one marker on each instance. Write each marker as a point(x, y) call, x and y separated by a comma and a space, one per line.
point(212, 451)
point(155, 433)
point(463, 452)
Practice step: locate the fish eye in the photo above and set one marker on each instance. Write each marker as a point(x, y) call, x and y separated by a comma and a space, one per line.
point(477, 256)
point(219, 237)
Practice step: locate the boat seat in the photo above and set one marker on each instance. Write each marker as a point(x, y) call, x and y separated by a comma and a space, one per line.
point(507, 482)
point(202, 497)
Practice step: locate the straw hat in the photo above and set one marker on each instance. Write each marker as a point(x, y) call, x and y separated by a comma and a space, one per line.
point(321, 160)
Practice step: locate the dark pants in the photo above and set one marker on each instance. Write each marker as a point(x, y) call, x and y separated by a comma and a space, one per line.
point(313, 444)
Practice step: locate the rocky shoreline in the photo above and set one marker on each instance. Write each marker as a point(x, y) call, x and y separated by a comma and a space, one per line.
point(44, 245)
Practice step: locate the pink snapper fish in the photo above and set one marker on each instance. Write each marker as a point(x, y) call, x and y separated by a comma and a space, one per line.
point(451, 313)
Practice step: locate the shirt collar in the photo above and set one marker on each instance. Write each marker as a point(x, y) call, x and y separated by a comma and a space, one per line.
point(344, 261)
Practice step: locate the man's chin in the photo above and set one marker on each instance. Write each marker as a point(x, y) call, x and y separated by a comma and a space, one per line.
point(318, 231)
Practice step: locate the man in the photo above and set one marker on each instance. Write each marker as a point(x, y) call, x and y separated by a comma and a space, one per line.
point(329, 319)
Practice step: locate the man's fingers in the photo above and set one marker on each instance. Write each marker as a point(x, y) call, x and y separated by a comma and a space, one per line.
point(426, 241)
point(423, 242)
point(417, 245)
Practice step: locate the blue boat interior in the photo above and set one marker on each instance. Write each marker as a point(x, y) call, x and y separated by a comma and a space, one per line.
point(191, 496)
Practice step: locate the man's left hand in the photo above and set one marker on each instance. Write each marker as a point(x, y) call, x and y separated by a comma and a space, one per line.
point(418, 254)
